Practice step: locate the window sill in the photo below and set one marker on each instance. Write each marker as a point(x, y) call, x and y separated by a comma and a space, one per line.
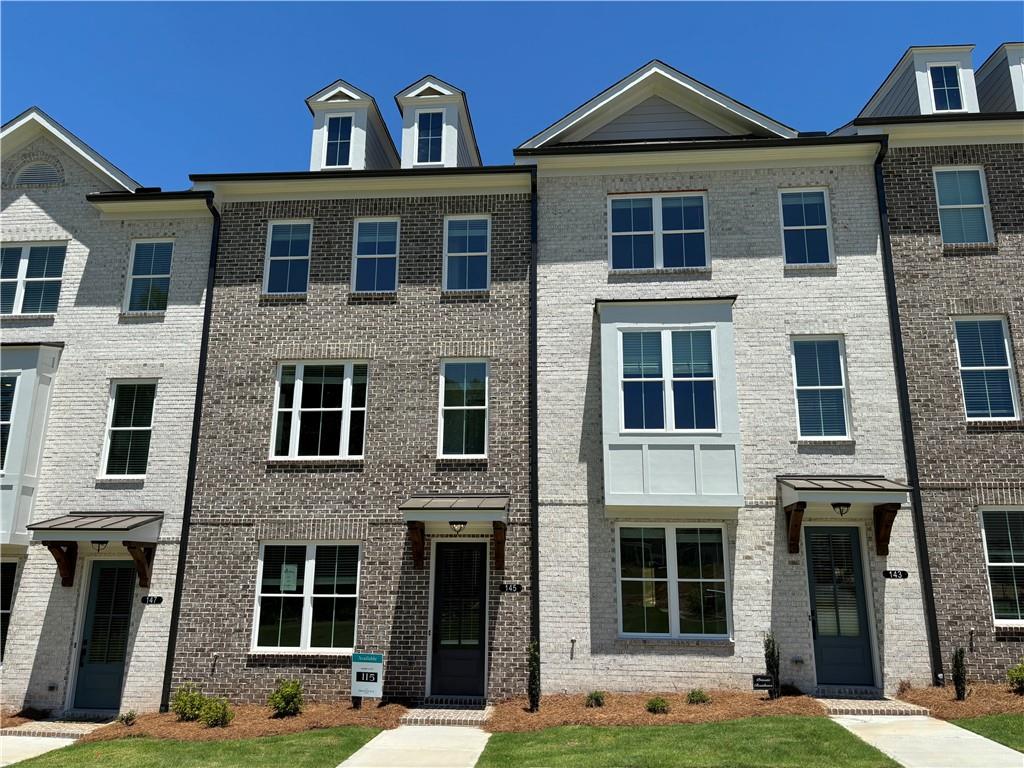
point(685, 642)
point(824, 441)
point(42, 316)
point(662, 271)
point(829, 267)
point(469, 293)
point(953, 249)
point(463, 458)
point(298, 461)
point(285, 653)
point(283, 297)
point(994, 425)
point(148, 315)
point(373, 294)
point(120, 479)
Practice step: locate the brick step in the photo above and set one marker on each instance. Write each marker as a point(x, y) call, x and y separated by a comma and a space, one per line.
point(879, 706)
point(444, 716)
point(55, 729)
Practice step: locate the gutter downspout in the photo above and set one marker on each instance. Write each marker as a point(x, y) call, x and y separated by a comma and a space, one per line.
point(534, 458)
point(906, 423)
point(179, 578)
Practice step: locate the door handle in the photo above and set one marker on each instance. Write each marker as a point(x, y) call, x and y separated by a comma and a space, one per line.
point(81, 656)
point(813, 616)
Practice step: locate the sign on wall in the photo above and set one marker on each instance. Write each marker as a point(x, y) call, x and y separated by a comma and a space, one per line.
point(289, 577)
point(893, 574)
point(368, 675)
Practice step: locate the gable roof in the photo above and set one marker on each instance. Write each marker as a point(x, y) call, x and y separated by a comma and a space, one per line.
point(341, 92)
point(434, 87)
point(20, 130)
point(716, 106)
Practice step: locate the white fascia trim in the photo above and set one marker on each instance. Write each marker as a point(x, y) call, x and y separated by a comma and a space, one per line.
point(340, 89)
point(926, 134)
point(435, 85)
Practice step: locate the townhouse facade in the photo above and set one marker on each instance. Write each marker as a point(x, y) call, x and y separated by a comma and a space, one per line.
point(101, 302)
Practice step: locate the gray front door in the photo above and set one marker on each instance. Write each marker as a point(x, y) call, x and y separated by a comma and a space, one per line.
point(842, 648)
point(104, 645)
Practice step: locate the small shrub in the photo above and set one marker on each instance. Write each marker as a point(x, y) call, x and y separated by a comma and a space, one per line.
point(960, 673)
point(533, 686)
point(903, 688)
point(595, 699)
point(128, 718)
point(286, 700)
point(216, 713)
point(771, 664)
point(698, 696)
point(1016, 677)
point(657, 706)
point(187, 702)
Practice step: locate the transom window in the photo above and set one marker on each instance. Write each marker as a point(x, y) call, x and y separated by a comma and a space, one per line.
point(1004, 553)
point(963, 205)
point(946, 88)
point(658, 232)
point(650, 389)
point(463, 408)
point(30, 277)
point(821, 399)
point(287, 268)
point(376, 256)
point(131, 428)
point(429, 134)
point(8, 388)
point(320, 410)
point(307, 597)
point(672, 581)
point(985, 359)
point(467, 250)
point(339, 141)
point(805, 226)
point(150, 278)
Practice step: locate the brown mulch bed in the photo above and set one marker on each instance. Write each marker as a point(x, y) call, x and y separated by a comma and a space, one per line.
point(10, 718)
point(982, 699)
point(252, 720)
point(628, 709)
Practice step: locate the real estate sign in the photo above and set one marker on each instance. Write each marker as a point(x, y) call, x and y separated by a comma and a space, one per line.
point(368, 675)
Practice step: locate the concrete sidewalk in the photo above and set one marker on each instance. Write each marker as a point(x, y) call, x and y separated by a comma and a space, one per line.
point(924, 742)
point(14, 749)
point(421, 746)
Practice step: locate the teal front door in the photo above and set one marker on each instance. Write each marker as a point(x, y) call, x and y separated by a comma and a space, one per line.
point(842, 646)
point(104, 645)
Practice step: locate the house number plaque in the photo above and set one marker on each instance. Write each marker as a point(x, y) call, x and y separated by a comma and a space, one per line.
point(152, 599)
point(512, 588)
point(896, 574)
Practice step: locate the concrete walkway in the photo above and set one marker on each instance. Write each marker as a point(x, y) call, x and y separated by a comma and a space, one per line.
point(421, 746)
point(924, 742)
point(14, 749)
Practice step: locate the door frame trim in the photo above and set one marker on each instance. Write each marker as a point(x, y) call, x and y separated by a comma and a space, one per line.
point(487, 603)
point(869, 597)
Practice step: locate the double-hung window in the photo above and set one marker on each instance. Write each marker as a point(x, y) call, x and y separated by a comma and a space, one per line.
point(376, 256)
point(463, 432)
point(320, 411)
point(467, 249)
point(30, 277)
point(8, 389)
point(658, 231)
point(963, 206)
point(307, 597)
point(150, 278)
point(672, 581)
point(287, 262)
point(1003, 532)
point(130, 428)
point(805, 226)
point(429, 136)
point(945, 82)
point(338, 144)
point(819, 374)
point(986, 369)
point(684, 389)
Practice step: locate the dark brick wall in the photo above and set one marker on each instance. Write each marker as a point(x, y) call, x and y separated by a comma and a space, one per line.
point(242, 498)
point(963, 466)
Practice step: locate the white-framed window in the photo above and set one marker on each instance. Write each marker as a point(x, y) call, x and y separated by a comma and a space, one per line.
point(677, 396)
point(429, 136)
point(463, 409)
point(673, 580)
point(945, 87)
point(663, 231)
point(307, 597)
point(287, 261)
point(375, 256)
point(338, 141)
point(30, 278)
point(806, 226)
point(129, 427)
point(819, 377)
point(962, 199)
point(8, 573)
point(319, 410)
point(1003, 538)
point(8, 391)
point(467, 253)
point(149, 279)
point(985, 360)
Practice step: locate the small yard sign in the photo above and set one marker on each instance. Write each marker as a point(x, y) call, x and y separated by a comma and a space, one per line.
point(763, 683)
point(368, 675)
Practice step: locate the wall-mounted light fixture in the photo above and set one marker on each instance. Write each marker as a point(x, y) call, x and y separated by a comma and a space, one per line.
point(99, 546)
point(842, 507)
point(457, 525)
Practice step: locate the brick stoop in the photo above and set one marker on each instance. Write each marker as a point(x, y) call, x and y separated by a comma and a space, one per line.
point(55, 729)
point(442, 716)
point(878, 706)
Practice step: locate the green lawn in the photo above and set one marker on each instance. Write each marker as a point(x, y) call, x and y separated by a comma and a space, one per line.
point(755, 742)
point(311, 749)
point(1006, 729)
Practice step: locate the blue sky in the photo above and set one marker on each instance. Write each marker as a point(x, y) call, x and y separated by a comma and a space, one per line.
point(164, 90)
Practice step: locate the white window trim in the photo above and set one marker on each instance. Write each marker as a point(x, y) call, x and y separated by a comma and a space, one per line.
point(307, 600)
point(296, 410)
point(667, 377)
point(355, 248)
point(441, 408)
point(984, 548)
point(959, 84)
point(105, 456)
point(487, 253)
point(828, 228)
point(14, 409)
point(327, 132)
point(125, 307)
point(14, 594)
point(847, 409)
point(659, 245)
point(989, 231)
point(416, 135)
point(1010, 368)
point(673, 579)
point(266, 257)
point(22, 278)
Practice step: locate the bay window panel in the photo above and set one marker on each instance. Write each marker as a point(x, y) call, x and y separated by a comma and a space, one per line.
point(694, 403)
point(641, 354)
point(643, 404)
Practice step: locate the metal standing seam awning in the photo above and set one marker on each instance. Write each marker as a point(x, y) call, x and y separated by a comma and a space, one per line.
point(476, 512)
point(886, 497)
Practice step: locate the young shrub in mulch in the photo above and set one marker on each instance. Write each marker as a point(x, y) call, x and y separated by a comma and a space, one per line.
point(187, 703)
point(127, 719)
point(533, 684)
point(216, 713)
point(771, 664)
point(960, 673)
point(698, 696)
point(286, 700)
point(595, 699)
point(657, 706)
point(902, 688)
point(982, 699)
point(1016, 677)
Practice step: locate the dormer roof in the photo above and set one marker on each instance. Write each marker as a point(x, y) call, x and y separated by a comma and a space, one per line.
point(342, 94)
point(432, 89)
point(904, 70)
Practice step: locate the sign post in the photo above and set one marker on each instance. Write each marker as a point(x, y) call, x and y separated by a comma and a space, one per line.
point(367, 677)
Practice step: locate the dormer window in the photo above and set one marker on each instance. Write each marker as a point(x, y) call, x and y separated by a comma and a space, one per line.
point(429, 127)
point(339, 141)
point(945, 79)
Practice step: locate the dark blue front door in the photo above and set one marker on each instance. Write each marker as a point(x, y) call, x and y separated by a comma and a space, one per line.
point(104, 644)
